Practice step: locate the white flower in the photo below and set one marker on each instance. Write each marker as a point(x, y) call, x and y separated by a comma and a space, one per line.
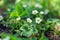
point(21, 28)
point(7, 38)
point(46, 11)
point(34, 12)
point(18, 18)
point(17, 1)
point(5, 25)
point(57, 27)
point(1, 17)
point(24, 5)
point(8, 9)
point(17, 30)
point(41, 12)
point(38, 5)
point(0, 39)
point(29, 4)
point(29, 20)
point(38, 20)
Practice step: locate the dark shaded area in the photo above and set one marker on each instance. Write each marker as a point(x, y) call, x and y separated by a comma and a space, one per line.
point(50, 34)
point(4, 29)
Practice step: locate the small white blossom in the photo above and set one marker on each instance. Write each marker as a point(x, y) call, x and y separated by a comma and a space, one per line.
point(17, 30)
point(17, 1)
point(18, 18)
point(38, 5)
point(34, 12)
point(8, 9)
point(7, 38)
point(57, 26)
point(1, 17)
point(4, 24)
point(46, 11)
point(0, 39)
point(29, 20)
point(41, 12)
point(29, 4)
point(24, 5)
point(21, 28)
point(38, 20)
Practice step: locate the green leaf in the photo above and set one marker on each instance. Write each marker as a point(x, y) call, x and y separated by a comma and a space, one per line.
point(13, 37)
point(14, 14)
point(35, 31)
point(43, 37)
point(27, 33)
point(24, 13)
point(3, 35)
point(34, 38)
point(20, 10)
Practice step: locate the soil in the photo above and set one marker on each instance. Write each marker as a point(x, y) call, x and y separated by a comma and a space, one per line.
point(50, 34)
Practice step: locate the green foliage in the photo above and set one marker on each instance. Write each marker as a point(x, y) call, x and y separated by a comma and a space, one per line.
point(12, 37)
point(43, 37)
point(27, 18)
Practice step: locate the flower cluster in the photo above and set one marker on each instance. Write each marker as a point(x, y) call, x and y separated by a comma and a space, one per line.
point(29, 19)
point(37, 19)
